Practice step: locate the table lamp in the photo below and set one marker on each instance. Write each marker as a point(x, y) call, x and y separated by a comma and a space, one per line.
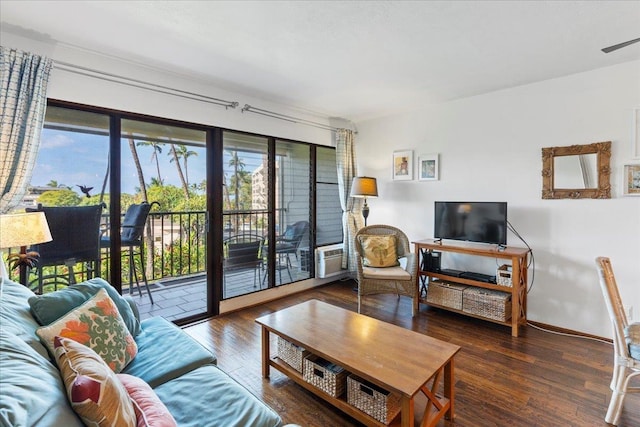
point(363, 187)
point(21, 230)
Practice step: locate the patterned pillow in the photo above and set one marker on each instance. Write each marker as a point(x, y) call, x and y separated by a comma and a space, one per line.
point(379, 251)
point(149, 409)
point(92, 388)
point(98, 325)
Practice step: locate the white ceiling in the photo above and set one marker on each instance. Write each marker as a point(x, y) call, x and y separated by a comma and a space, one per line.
point(355, 60)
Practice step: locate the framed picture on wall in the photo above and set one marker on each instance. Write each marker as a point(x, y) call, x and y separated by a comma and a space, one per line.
point(403, 165)
point(632, 180)
point(428, 167)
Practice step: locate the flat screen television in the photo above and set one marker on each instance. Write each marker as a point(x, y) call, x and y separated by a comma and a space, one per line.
point(484, 222)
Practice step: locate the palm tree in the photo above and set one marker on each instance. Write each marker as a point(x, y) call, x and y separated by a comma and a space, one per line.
point(136, 160)
point(157, 149)
point(238, 165)
point(175, 158)
point(184, 153)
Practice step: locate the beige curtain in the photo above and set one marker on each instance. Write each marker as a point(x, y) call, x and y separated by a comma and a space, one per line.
point(352, 219)
point(23, 99)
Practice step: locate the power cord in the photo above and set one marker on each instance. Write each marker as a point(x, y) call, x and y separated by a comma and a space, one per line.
point(532, 261)
point(570, 335)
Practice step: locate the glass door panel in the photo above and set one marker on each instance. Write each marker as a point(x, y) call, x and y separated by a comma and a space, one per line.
point(245, 213)
point(165, 166)
point(293, 202)
point(71, 169)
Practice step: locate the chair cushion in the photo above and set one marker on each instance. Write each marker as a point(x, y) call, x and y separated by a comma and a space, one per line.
point(98, 325)
point(386, 273)
point(379, 250)
point(632, 335)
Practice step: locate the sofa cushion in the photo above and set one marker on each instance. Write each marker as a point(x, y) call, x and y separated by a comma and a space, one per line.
point(150, 411)
point(15, 314)
point(165, 352)
point(223, 402)
point(379, 250)
point(92, 387)
point(98, 325)
point(31, 391)
point(50, 307)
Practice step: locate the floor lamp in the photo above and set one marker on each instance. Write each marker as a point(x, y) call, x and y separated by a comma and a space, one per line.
point(21, 230)
point(363, 187)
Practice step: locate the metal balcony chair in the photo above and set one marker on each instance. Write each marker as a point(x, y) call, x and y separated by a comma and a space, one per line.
point(626, 342)
point(242, 252)
point(76, 239)
point(398, 278)
point(289, 242)
point(132, 237)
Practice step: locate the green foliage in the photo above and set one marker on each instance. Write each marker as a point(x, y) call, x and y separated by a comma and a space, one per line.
point(169, 196)
point(64, 197)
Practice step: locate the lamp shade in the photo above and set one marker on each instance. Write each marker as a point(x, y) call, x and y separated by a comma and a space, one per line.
point(23, 229)
point(364, 186)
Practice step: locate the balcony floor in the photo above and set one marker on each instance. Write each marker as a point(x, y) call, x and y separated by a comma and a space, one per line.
point(178, 298)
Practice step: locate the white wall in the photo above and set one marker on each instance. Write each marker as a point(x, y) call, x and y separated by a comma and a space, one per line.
point(490, 150)
point(73, 87)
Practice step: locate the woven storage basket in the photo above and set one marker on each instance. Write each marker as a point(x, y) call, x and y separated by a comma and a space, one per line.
point(487, 303)
point(503, 275)
point(291, 354)
point(325, 375)
point(446, 294)
point(372, 400)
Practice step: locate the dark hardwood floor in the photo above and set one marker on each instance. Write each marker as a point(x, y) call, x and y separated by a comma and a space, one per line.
point(538, 379)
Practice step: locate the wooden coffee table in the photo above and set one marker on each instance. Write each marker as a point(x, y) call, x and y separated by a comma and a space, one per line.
point(397, 359)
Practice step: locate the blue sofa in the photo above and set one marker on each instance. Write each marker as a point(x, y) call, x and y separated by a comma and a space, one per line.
point(183, 373)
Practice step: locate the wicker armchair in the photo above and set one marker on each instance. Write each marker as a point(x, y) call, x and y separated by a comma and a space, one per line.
point(400, 280)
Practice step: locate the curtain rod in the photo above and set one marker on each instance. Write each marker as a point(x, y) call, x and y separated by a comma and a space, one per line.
point(142, 84)
point(284, 117)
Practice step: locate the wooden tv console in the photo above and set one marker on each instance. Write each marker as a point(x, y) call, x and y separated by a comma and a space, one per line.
point(518, 290)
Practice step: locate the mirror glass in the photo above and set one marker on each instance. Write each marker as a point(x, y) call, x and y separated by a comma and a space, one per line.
point(575, 171)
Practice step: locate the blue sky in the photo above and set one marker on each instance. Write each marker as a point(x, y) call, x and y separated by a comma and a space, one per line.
point(72, 158)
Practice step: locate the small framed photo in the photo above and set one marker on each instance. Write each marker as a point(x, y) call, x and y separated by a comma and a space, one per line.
point(632, 180)
point(428, 167)
point(403, 165)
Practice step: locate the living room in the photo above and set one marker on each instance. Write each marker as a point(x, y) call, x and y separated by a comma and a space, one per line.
point(488, 146)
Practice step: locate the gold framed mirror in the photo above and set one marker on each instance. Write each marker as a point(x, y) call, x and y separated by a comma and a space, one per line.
point(577, 171)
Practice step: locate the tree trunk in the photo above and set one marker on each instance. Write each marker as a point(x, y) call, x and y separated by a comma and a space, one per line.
point(143, 189)
point(185, 187)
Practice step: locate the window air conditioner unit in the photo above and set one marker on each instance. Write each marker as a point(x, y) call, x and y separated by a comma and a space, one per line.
point(329, 261)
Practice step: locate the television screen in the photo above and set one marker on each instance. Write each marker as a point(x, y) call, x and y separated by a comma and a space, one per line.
point(484, 222)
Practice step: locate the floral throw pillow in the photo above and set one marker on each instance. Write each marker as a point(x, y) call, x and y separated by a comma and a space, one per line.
point(379, 250)
point(98, 325)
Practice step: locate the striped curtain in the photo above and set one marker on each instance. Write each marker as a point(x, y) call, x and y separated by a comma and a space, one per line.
point(23, 99)
point(352, 219)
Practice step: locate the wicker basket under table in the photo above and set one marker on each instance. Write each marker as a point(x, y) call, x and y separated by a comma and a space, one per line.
point(291, 354)
point(372, 400)
point(445, 294)
point(325, 375)
point(487, 303)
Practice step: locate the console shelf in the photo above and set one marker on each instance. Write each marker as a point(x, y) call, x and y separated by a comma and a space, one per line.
point(518, 290)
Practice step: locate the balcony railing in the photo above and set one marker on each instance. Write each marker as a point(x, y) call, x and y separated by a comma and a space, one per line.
point(174, 243)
